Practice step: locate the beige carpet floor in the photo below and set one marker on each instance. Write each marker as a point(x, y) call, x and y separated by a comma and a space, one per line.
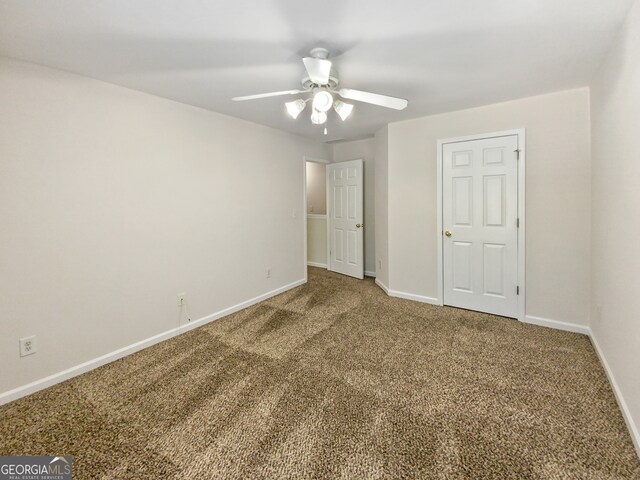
point(336, 380)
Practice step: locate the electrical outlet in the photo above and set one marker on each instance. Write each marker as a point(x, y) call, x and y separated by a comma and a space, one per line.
point(28, 346)
point(182, 299)
point(268, 272)
point(294, 214)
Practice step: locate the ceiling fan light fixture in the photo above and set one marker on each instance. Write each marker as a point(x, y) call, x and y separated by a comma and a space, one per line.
point(321, 81)
point(343, 109)
point(322, 101)
point(317, 117)
point(295, 108)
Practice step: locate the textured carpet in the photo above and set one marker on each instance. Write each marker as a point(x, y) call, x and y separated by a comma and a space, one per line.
point(336, 380)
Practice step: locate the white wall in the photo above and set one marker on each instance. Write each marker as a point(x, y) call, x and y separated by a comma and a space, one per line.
point(381, 202)
point(364, 149)
point(113, 201)
point(316, 188)
point(557, 203)
point(615, 253)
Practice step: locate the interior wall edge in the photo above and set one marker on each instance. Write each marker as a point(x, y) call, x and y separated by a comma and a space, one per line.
point(384, 288)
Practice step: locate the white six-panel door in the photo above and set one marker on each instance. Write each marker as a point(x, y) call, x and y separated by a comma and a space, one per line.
point(479, 220)
point(345, 211)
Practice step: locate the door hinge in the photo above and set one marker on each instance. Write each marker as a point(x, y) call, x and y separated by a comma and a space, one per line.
point(517, 223)
point(517, 152)
point(518, 290)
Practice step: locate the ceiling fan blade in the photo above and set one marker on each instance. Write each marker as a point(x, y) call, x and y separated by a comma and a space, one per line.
point(374, 98)
point(270, 94)
point(318, 69)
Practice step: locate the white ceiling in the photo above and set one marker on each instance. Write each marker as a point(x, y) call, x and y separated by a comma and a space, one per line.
point(440, 55)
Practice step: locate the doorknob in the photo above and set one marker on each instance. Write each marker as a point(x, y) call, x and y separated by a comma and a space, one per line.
point(359, 225)
point(448, 233)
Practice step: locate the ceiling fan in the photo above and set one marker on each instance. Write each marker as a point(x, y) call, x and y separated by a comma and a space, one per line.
point(321, 80)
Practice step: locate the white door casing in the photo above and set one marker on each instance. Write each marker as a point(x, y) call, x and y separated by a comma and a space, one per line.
point(480, 224)
point(345, 206)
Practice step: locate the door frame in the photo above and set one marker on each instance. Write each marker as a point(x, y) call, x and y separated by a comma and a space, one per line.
point(521, 134)
point(306, 159)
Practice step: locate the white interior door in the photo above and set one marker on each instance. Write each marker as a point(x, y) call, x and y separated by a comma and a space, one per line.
point(480, 225)
point(345, 207)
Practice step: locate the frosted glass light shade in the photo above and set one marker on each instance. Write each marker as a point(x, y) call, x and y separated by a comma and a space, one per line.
point(343, 109)
point(322, 101)
point(318, 118)
point(294, 108)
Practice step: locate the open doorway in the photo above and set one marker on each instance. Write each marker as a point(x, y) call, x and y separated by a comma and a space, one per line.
point(334, 216)
point(316, 213)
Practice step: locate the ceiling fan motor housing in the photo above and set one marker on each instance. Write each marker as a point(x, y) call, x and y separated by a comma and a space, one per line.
point(307, 84)
point(323, 54)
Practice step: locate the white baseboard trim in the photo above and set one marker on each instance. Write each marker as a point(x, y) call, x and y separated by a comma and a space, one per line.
point(414, 297)
point(407, 296)
point(382, 286)
point(316, 264)
point(28, 389)
point(545, 322)
point(626, 414)
point(368, 273)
